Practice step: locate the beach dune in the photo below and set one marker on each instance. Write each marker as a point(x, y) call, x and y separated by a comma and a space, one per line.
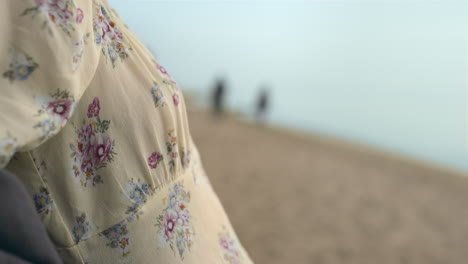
point(300, 198)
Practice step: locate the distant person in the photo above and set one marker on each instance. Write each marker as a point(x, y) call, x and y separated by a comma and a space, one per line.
point(262, 106)
point(218, 98)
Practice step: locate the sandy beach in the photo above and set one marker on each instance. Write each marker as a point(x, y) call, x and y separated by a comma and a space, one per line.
point(302, 198)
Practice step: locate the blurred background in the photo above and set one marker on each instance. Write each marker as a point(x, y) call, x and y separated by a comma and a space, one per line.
point(343, 122)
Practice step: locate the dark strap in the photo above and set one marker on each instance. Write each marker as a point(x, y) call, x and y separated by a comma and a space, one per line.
point(22, 234)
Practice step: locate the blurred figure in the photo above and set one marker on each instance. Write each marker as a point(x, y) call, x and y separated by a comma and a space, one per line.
point(218, 96)
point(262, 106)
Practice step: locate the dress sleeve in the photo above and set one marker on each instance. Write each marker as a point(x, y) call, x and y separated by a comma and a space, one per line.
point(47, 61)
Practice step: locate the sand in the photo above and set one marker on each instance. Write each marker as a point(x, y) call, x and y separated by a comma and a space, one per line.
point(296, 198)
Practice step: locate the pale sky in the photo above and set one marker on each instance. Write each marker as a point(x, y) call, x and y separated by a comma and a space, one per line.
point(391, 73)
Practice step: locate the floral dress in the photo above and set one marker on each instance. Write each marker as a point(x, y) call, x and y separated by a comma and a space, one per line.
point(97, 131)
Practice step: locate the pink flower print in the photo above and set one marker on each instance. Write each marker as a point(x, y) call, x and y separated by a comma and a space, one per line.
point(59, 12)
point(108, 35)
point(86, 166)
point(162, 70)
point(94, 108)
point(79, 15)
point(154, 160)
point(174, 227)
point(93, 148)
point(170, 221)
point(183, 214)
point(61, 107)
point(224, 242)
point(175, 98)
point(76, 171)
point(86, 139)
point(102, 149)
point(231, 250)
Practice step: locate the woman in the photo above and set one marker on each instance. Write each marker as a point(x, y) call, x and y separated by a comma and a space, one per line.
point(96, 130)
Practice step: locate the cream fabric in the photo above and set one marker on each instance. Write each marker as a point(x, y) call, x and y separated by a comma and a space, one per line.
point(97, 131)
